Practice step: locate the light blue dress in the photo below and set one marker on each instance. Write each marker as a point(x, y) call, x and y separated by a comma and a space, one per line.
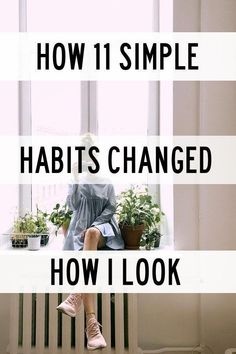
point(92, 205)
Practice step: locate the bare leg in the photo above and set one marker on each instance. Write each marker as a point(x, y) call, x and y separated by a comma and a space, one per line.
point(93, 240)
point(95, 340)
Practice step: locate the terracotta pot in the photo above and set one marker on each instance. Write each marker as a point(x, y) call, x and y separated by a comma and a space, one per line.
point(132, 235)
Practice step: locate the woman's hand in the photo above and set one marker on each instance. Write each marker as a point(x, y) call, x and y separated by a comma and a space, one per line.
point(75, 172)
point(83, 234)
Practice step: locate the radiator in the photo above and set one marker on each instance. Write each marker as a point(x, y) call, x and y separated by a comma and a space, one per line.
point(37, 327)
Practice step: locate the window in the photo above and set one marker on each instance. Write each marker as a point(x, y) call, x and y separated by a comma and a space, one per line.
point(55, 110)
point(72, 108)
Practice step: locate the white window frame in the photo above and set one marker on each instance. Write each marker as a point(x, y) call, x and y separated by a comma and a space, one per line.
point(24, 115)
point(166, 125)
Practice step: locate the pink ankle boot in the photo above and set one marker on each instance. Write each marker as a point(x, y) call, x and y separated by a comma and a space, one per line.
point(94, 335)
point(71, 305)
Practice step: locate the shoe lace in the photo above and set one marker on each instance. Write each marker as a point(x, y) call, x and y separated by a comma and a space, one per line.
point(93, 327)
point(74, 299)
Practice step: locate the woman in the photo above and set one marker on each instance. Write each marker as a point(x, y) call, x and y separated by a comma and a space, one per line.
point(93, 226)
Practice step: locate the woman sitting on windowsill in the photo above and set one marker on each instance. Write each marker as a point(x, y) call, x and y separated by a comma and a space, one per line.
point(93, 226)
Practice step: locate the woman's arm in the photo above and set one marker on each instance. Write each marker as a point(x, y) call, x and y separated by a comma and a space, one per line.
point(109, 210)
point(72, 199)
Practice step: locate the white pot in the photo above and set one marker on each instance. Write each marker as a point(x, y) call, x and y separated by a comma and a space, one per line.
point(34, 243)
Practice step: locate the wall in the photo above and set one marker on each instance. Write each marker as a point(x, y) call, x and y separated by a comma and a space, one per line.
point(206, 108)
point(210, 110)
point(218, 108)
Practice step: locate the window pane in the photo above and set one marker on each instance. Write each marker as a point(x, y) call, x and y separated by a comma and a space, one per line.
point(46, 196)
point(55, 108)
point(122, 108)
point(9, 20)
point(9, 108)
point(9, 126)
point(8, 207)
point(90, 15)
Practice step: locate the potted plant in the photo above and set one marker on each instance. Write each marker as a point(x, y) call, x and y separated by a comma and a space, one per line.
point(41, 226)
point(30, 230)
point(60, 217)
point(136, 212)
point(22, 228)
point(151, 238)
point(34, 241)
point(38, 227)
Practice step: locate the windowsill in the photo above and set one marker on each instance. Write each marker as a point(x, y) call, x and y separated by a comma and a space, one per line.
point(165, 248)
point(160, 248)
point(56, 243)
